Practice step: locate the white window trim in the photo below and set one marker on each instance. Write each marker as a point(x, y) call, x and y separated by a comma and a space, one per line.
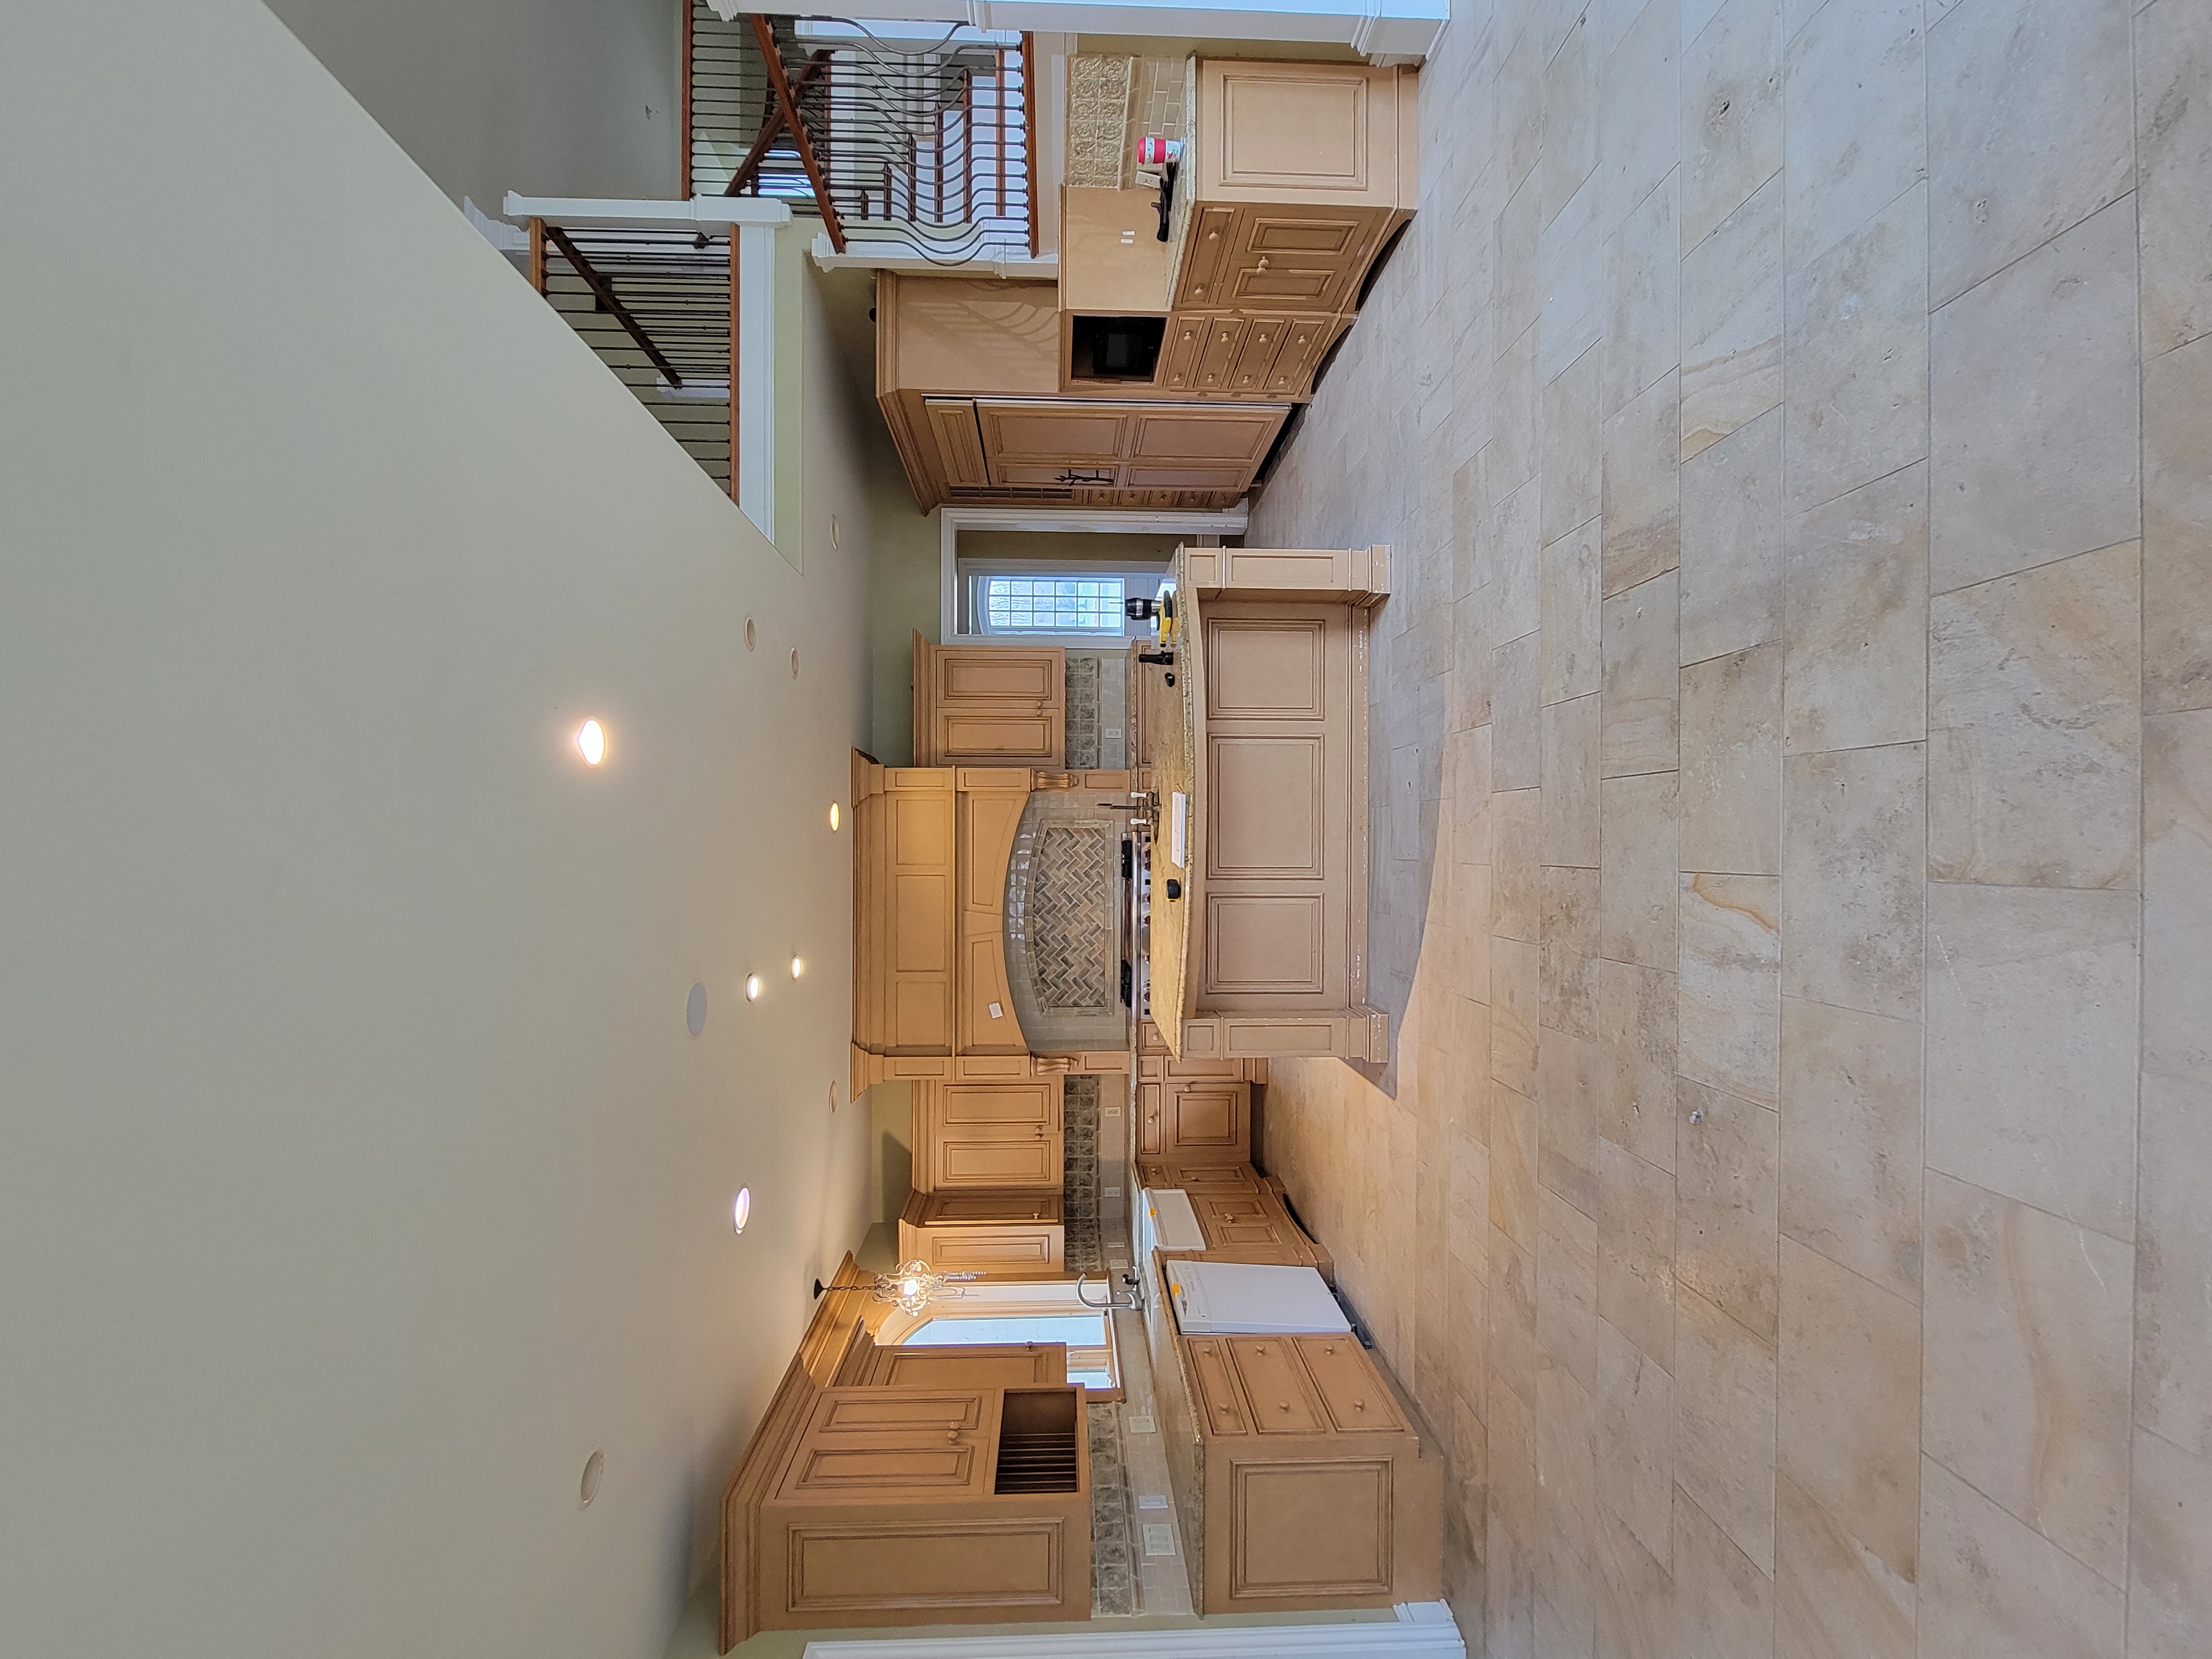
point(1078, 521)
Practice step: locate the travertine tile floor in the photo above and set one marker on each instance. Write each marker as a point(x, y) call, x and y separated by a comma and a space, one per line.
point(1792, 817)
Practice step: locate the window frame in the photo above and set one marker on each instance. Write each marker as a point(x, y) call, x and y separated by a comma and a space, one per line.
point(1137, 582)
point(1045, 1299)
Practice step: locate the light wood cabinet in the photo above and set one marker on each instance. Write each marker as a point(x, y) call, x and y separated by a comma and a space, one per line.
point(1303, 1472)
point(972, 378)
point(985, 1231)
point(903, 1505)
point(1194, 1120)
point(969, 1135)
point(1008, 1365)
point(904, 917)
point(989, 705)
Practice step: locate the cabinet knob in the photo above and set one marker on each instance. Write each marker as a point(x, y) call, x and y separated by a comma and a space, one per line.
point(953, 1434)
point(1212, 234)
point(1263, 262)
point(1282, 1404)
point(1359, 1405)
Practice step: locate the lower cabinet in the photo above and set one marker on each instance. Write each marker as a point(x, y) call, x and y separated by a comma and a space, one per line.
point(916, 1504)
point(1194, 1120)
point(985, 1231)
point(1314, 1487)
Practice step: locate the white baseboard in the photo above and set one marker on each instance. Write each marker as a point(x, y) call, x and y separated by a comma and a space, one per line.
point(1424, 1631)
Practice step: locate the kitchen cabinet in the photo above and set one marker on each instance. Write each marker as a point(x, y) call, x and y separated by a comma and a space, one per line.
point(984, 1230)
point(904, 1504)
point(968, 1135)
point(904, 917)
point(1194, 1120)
point(971, 379)
point(989, 705)
point(1304, 1477)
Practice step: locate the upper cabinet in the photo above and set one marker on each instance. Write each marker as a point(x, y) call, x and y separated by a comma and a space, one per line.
point(1158, 372)
point(989, 705)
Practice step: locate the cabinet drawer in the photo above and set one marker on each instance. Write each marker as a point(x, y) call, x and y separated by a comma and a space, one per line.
point(1225, 337)
point(1283, 1401)
point(1304, 341)
point(1263, 339)
point(1148, 1120)
point(1186, 343)
point(1353, 1391)
point(1219, 1401)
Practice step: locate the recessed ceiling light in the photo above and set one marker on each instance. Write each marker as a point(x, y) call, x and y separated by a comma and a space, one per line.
point(749, 636)
point(833, 530)
point(592, 742)
point(833, 818)
point(752, 988)
point(794, 662)
point(742, 1211)
point(833, 1096)
point(695, 1010)
point(595, 1469)
point(798, 966)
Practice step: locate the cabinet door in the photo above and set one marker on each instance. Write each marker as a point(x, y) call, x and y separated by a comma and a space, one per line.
point(1206, 251)
point(881, 1445)
point(1271, 133)
point(903, 989)
point(1205, 1120)
point(993, 706)
point(1003, 1134)
point(959, 447)
point(1246, 1221)
point(1033, 443)
point(1301, 258)
point(1031, 1106)
point(1219, 446)
point(1280, 761)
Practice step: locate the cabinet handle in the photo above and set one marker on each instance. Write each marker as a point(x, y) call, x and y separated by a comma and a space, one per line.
point(953, 1434)
point(1359, 1405)
point(1282, 1404)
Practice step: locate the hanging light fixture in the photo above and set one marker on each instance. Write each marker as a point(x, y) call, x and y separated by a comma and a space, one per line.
point(910, 1286)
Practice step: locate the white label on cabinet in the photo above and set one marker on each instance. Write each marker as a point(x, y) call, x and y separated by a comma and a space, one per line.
point(997, 1012)
point(1178, 819)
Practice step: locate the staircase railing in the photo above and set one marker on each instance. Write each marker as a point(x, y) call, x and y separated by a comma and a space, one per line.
point(915, 139)
point(679, 299)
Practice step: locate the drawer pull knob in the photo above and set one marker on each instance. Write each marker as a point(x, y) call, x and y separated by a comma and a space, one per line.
point(1282, 1404)
point(1263, 262)
point(1359, 1405)
point(952, 1436)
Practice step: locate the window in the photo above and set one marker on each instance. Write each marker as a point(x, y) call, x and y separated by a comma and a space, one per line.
point(1011, 1311)
point(1072, 603)
point(1051, 604)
